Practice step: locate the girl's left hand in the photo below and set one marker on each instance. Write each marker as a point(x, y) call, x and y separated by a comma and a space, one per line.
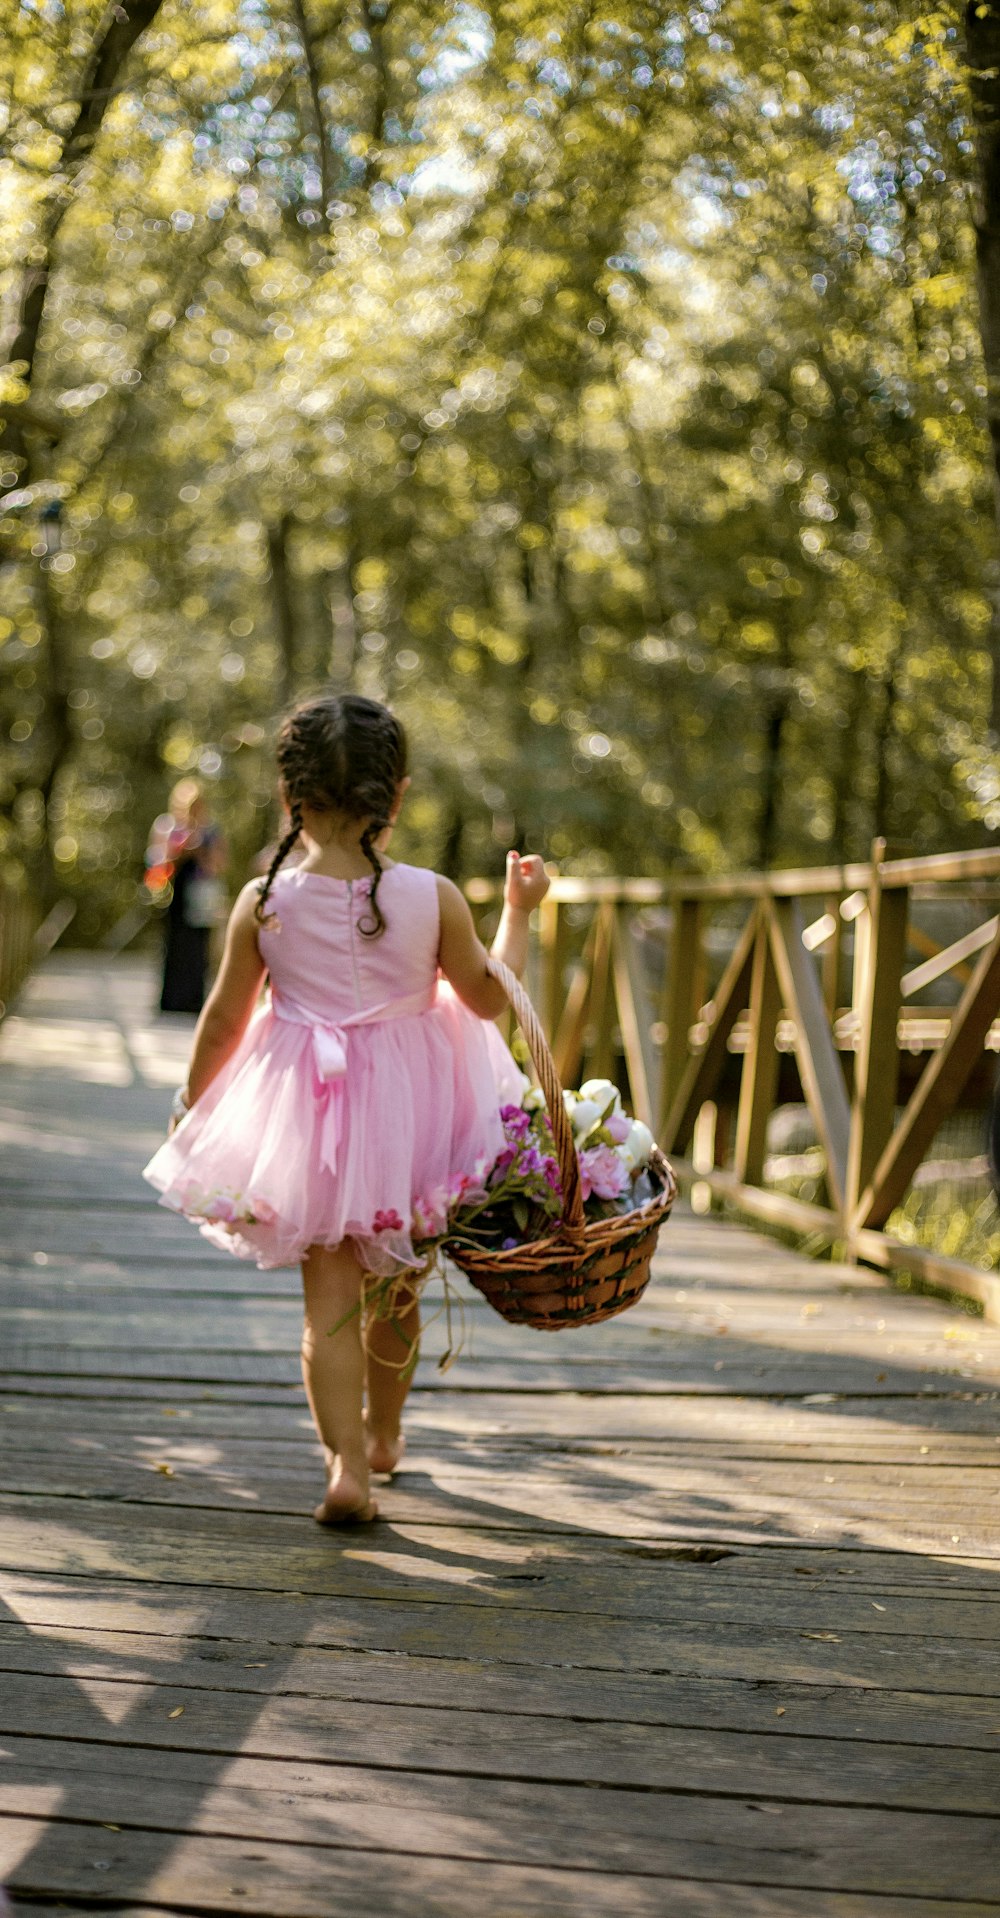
point(527, 881)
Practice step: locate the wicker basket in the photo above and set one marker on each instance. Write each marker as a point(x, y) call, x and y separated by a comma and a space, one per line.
point(585, 1269)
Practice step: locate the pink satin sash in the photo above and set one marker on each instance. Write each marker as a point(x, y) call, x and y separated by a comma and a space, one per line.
point(330, 1043)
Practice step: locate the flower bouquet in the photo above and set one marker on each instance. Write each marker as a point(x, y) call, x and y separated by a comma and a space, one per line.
point(519, 1198)
point(561, 1229)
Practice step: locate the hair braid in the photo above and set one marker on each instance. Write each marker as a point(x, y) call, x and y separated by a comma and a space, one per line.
point(281, 854)
point(371, 926)
point(342, 755)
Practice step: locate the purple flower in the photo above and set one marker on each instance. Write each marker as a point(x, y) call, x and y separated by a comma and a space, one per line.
point(503, 1164)
point(387, 1222)
point(509, 1244)
point(619, 1127)
point(531, 1162)
point(516, 1122)
point(602, 1172)
point(552, 1174)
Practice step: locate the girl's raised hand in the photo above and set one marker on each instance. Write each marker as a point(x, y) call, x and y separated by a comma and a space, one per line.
point(527, 881)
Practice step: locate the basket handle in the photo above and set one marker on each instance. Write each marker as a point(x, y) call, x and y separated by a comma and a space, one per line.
point(538, 1046)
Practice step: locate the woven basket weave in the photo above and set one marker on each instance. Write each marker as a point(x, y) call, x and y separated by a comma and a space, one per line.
point(584, 1269)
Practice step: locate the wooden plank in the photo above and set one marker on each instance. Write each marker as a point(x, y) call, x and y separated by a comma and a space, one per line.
point(876, 1057)
point(553, 944)
point(567, 1042)
point(703, 1068)
point(387, 1806)
point(681, 987)
point(727, 1680)
point(759, 1076)
point(634, 1019)
point(599, 1059)
point(929, 1855)
point(720, 1674)
point(635, 1764)
point(948, 959)
point(952, 1275)
point(819, 1065)
point(940, 1085)
point(516, 1571)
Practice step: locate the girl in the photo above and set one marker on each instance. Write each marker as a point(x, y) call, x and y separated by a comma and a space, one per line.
point(309, 1127)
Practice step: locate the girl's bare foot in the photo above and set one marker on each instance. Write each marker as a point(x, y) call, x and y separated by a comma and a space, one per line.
point(384, 1451)
point(347, 1501)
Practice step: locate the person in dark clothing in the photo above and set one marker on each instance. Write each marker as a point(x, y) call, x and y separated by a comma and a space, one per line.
point(187, 851)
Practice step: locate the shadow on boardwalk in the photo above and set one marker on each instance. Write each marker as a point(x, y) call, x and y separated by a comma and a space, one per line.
point(694, 1612)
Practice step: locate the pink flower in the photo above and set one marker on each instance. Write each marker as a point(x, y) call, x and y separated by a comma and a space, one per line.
point(430, 1214)
point(387, 1222)
point(602, 1172)
point(263, 1213)
point(464, 1188)
point(225, 1210)
point(618, 1126)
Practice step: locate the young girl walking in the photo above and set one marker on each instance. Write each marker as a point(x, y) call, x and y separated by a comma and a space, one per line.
point(311, 1123)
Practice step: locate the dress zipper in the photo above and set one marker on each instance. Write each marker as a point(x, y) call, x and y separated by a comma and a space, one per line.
point(354, 954)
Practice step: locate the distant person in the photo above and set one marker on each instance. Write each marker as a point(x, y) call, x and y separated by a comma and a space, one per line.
point(187, 851)
point(311, 1127)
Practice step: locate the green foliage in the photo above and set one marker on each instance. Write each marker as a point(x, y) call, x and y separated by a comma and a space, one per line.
point(600, 384)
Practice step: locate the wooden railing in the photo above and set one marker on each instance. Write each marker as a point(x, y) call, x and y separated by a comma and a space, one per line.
point(25, 937)
point(18, 925)
point(715, 1000)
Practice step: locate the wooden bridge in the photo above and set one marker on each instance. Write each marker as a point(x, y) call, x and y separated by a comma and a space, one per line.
point(868, 992)
point(693, 1613)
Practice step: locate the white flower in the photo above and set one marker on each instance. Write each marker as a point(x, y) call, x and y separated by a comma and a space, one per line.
point(604, 1092)
point(534, 1099)
point(584, 1114)
point(637, 1148)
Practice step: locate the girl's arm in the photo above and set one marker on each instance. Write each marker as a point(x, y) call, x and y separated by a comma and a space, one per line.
point(462, 955)
point(228, 1008)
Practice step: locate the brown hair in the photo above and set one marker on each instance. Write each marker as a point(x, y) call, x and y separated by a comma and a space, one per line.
point(345, 755)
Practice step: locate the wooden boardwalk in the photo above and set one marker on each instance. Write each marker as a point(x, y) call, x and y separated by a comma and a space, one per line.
point(693, 1613)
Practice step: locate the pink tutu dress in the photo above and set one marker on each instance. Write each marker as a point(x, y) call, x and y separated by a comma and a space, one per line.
point(359, 1091)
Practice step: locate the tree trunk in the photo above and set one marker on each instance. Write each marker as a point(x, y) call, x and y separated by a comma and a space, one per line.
point(846, 773)
point(284, 611)
point(776, 712)
point(122, 27)
point(312, 79)
point(883, 740)
point(982, 30)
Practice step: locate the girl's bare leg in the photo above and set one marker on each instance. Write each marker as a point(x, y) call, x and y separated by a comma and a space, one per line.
point(388, 1350)
point(333, 1369)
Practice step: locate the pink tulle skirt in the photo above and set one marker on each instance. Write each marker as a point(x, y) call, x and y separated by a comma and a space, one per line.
point(275, 1158)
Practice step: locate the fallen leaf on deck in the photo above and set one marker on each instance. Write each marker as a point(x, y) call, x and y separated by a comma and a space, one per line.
point(178, 1712)
point(831, 1638)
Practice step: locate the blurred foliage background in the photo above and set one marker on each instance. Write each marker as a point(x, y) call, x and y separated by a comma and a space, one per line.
point(601, 384)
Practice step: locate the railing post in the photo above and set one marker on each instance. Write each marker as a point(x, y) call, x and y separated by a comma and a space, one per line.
point(553, 941)
point(760, 1064)
point(600, 1011)
point(680, 991)
point(878, 972)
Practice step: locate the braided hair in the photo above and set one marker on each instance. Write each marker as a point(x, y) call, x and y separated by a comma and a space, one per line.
point(342, 755)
